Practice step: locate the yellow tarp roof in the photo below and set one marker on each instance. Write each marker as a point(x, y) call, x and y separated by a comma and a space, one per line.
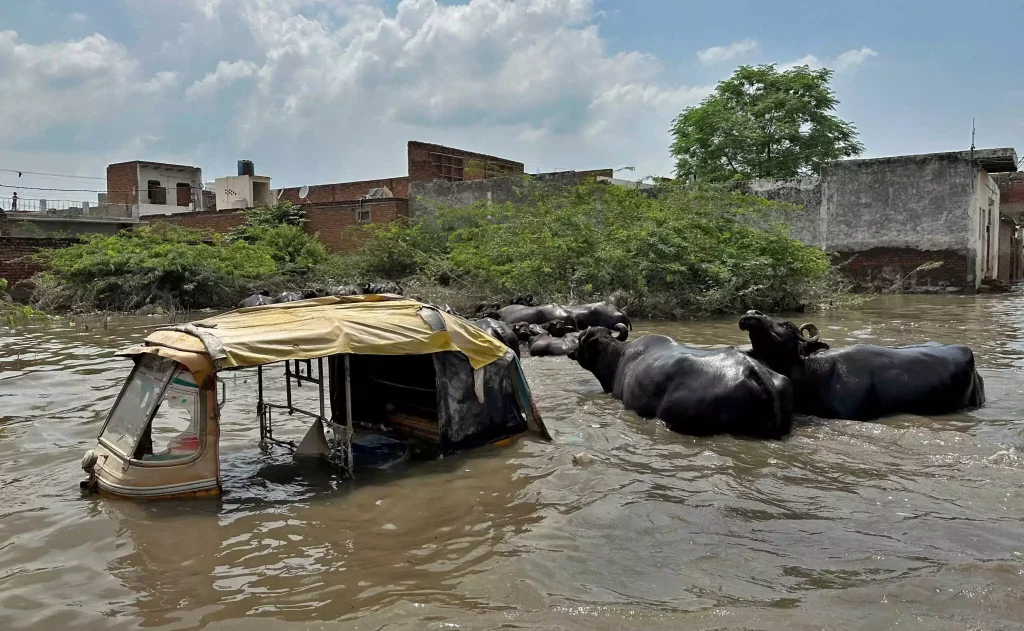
point(364, 325)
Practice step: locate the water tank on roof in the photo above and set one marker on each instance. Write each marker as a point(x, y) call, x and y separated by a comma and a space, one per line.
point(245, 167)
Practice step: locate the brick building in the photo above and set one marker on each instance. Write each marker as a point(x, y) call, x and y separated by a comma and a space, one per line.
point(425, 162)
point(332, 210)
point(152, 188)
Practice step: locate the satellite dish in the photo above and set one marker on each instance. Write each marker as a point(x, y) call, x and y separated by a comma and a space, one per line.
point(303, 191)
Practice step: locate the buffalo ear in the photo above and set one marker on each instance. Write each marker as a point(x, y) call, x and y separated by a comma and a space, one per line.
point(811, 348)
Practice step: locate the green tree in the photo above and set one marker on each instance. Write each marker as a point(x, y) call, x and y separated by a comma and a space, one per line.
point(763, 123)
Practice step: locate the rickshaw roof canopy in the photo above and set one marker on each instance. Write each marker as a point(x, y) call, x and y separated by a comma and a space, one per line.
point(307, 329)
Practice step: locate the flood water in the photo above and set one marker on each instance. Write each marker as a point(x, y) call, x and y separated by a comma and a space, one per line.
point(909, 523)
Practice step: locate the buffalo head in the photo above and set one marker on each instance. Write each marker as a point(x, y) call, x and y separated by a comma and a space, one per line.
point(780, 343)
point(525, 300)
point(594, 343)
point(525, 331)
point(557, 328)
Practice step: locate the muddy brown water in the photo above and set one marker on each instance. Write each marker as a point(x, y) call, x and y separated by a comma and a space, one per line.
point(910, 523)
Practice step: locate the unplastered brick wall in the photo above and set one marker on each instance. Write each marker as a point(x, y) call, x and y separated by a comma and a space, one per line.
point(432, 162)
point(123, 183)
point(346, 191)
point(1011, 187)
point(337, 224)
point(16, 262)
point(220, 221)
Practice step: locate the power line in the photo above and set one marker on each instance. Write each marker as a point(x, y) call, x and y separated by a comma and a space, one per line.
point(59, 175)
point(83, 190)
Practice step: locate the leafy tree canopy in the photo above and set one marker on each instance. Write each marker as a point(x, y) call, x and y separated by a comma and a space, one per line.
point(763, 123)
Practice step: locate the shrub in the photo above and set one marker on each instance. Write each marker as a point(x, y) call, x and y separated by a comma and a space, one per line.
point(163, 264)
point(678, 252)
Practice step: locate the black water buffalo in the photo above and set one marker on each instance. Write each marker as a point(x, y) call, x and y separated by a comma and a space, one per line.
point(863, 381)
point(359, 289)
point(348, 290)
point(523, 299)
point(546, 340)
point(257, 300)
point(540, 314)
point(695, 392)
point(292, 296)
point(390, 287)
point(547, 345)
point(599, 314)
point(500, 331)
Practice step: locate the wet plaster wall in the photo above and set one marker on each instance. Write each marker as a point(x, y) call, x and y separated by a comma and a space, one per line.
point(882, 219)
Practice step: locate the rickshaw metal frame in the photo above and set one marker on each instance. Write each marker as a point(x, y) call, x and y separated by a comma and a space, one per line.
point(341, 434)
point(130, 456)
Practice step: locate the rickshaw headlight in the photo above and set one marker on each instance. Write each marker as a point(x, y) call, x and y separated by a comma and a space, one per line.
point(89, 460)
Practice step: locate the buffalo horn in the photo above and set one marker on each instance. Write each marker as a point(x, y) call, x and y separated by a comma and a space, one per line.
point(622, 331)
point(812, 331)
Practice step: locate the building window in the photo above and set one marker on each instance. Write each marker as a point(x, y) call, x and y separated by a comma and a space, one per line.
point(447, 167)
point(363, 215)
point(184, 190)
point(157, 193)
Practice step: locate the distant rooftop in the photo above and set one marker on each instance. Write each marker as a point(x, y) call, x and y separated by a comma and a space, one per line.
point(1000, 160)
point(155, 164)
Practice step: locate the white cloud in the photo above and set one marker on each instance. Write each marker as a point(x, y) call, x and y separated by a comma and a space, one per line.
point(853, 58)
point(73, 82)
point(718, 54)
point(226, 74)
point(78, 17)
point(845, 61)
point(533, 70)
point(532, 80)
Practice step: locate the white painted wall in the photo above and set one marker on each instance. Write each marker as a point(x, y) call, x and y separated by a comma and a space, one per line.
point(169, 177)
point(238, 191)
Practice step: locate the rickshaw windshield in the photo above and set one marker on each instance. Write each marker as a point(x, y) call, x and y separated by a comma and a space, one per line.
point(137, 403)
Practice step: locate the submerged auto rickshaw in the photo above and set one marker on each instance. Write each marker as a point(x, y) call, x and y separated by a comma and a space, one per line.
point(407, 369)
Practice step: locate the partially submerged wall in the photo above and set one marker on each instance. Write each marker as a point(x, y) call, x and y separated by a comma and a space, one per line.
point(901, 214)
point(906, 223)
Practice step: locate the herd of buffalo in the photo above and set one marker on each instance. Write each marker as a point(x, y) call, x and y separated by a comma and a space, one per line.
point(747, 391)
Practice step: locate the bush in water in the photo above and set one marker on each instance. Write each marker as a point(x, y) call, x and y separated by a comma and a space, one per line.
point(163, 264)
point(682, 251)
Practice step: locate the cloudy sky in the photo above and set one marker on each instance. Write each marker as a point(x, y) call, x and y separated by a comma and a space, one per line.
point(320, 91)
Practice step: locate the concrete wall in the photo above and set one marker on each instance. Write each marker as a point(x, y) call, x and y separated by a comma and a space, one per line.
point(985, 226)
point(169, 178)
point(884, 218)
point(242, 191)
point(427, 196)
point(805, 194)
point(1007, 258)
point(43, 225)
